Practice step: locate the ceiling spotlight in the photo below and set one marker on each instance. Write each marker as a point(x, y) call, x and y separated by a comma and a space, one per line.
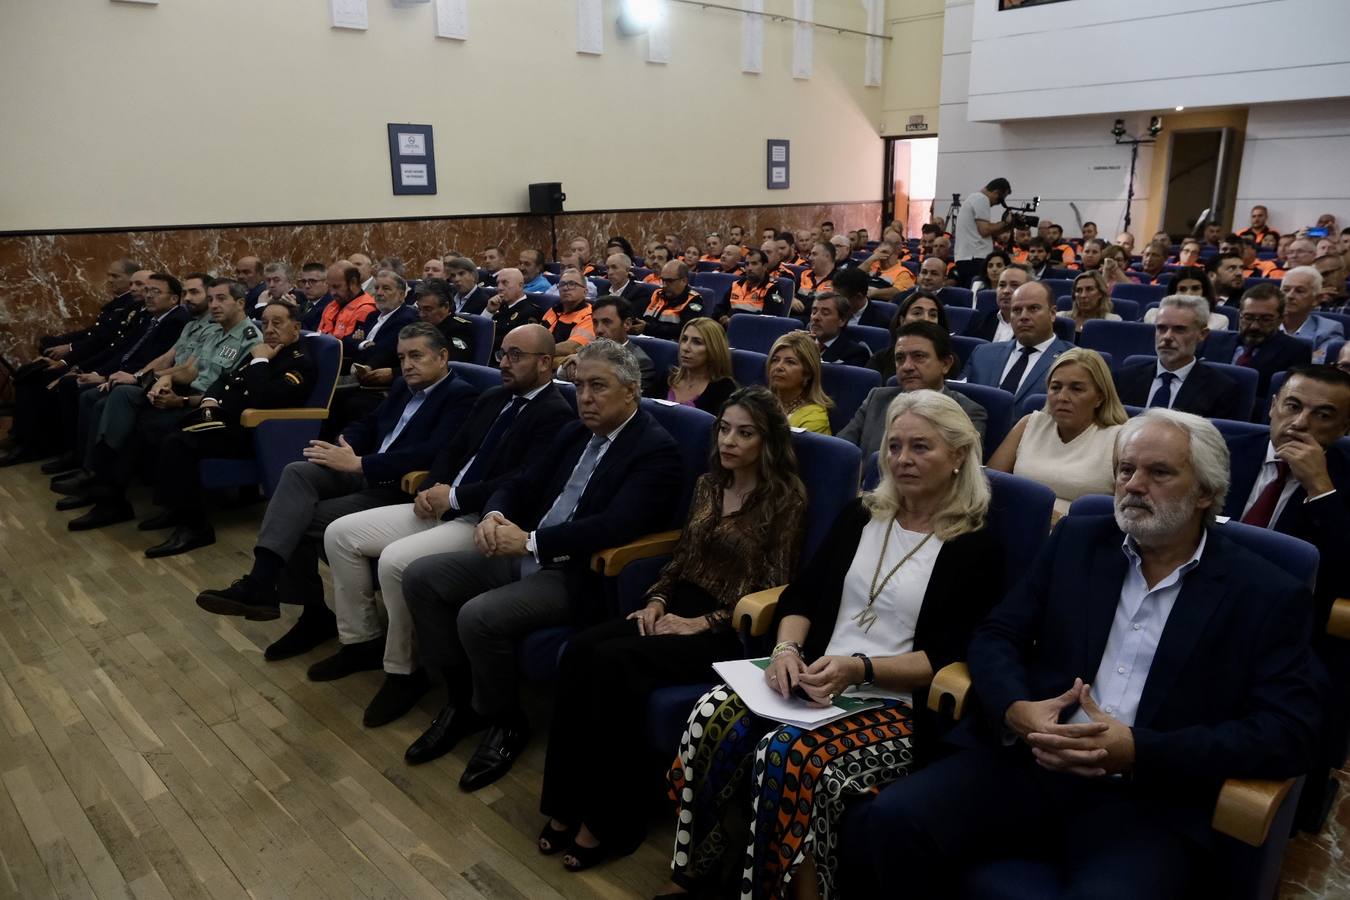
point(638, 16)
point(1180, 108)
point(1154, 126)
point(1118, 129)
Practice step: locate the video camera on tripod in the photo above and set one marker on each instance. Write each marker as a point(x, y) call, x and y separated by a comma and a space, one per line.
point(1018, 215)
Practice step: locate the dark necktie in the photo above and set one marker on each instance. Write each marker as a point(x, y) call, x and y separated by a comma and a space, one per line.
point(1014, 376)
point(566, 504)
point(1245, 358)
point(1264, 507)
point(140, 340)
point(499, 428)
point(1163, 395)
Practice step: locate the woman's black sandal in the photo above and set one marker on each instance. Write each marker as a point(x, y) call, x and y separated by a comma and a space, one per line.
point(556, 840)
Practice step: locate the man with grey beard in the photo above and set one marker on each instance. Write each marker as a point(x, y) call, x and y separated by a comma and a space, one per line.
point(1144, 658)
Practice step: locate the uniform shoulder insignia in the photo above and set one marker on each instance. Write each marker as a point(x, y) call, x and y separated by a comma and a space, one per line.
point(293, 377)
point(250, 332)
point(696, 306)
point(459, 343)
point(461, 320)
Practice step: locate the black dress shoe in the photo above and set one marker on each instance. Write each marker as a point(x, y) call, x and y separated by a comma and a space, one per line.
point(77, 482)
point(75, 501)
point(452, 723)
point(350, 659)
point(500, 747)
point(64, 463)
point(395, 698)
point(316, 625)
point(166, 519)
point(246, 597)
point(107, 512)
point(183, 539)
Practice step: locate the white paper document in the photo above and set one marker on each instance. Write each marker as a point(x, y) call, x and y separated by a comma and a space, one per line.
point(746, 678)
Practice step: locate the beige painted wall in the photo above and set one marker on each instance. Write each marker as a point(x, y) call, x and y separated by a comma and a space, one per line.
point(913, 74)
point(204, 111)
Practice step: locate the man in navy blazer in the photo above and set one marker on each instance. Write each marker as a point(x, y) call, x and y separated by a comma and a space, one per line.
point(606, 479)
point(374, 343)
point(1261, 345)
point(1019, 366)
point(364, 468)
point(1176, 379)
point(1142, 660)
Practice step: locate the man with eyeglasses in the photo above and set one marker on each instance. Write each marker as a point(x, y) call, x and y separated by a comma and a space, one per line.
point(503, 432)
point(1332, 297)
point(1261, 344)
point(362, 470)
point(313, 284)
point(435, 302)
point(570, 321)
point(672, 304)
point(1301, 288)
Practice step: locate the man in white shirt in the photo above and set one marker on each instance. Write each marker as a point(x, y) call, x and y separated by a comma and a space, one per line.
point(976, 229)
point(1302, 288)
point(996, 325)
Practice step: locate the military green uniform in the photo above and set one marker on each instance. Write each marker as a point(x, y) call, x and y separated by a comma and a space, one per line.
point(225, 353)
point(195, 335)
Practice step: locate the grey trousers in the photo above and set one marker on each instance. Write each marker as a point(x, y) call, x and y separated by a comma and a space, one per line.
point(309, 497)
point(470, 611)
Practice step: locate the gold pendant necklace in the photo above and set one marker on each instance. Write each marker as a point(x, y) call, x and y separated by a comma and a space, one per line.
point(865, 617)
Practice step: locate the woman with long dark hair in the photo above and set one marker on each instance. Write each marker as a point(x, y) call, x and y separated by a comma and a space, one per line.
point(743, 533)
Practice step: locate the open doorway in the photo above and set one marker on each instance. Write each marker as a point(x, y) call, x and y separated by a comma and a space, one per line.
point(1202, 166)
point(910, 182)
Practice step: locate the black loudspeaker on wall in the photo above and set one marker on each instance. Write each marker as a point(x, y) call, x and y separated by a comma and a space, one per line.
point(546, 197)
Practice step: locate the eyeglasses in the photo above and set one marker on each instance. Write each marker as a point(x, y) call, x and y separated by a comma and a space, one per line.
point(568, 284)
point(515, 354)
point(310, 281)
point(665, 280)
point(152, 291)
point(1267, 319)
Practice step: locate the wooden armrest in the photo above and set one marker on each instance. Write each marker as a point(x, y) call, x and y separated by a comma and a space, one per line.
point(252, 418)
point(1338, 625)
point(411, 480)
point(611, 561)
point(754, 612)
point(1247, 806)
point(951, 681)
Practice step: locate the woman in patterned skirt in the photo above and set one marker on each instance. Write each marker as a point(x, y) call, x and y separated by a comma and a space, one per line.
point(890, 598)
point(743, 533)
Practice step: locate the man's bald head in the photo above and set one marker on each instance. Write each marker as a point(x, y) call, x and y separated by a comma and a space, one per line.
point(534, 338)
point(344, 281)
point(510, 283)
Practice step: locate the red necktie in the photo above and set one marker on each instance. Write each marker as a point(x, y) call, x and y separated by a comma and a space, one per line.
point(1264, 507)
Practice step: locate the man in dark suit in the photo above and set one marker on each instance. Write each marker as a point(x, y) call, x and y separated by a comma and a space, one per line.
point(470, 296)
point(1197, 655)
point(1019, 366)
point(374, 343)
point(611, 476)
point(1177, 380)
point(618, 271)
point(278, 374)
point(361, 471)
point(1261, 344)
point(995, 325)
point(1297, 481)
point(506, 428)
point(853, 283)
point(829, 314)
point(923, 356)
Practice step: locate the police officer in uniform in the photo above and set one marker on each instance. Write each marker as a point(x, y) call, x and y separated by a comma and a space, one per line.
point(142, 414)
point(509, 307)
point(278, 375)
point(435, 305)
point(673, 304)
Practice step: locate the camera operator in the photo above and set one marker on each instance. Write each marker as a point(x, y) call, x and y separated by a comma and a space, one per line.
point(976, 229)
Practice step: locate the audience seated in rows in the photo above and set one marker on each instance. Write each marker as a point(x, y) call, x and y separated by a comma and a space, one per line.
point(1262, 345)
point(830, 313)
point(1066, 446)
point(1091, 300)
point(509, 307)
point(1019, 366)
point(1301, 288)
point(673, 304)
point(1177, 379)
point(995, 325)
point(702, 377)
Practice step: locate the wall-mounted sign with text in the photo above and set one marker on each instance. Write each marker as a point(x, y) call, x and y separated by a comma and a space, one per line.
point(778, 166)
point(412, 159)
point(916, 123)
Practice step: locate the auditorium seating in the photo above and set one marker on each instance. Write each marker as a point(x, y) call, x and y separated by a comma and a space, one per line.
point(280, 435)
point(1139, 294)
point(998, 406)
point(1063, 287)
point(665, 355)
point(481, 377)
point(958, 318)
point(847, 386)
point(964, 346)
point(748, 367)
point(1245, 378)
point(876, 339)
point(483, 328)
point(885, 306)
point(1128, 310)
point(757, 333)
point(716, 286)
point(1120, 339)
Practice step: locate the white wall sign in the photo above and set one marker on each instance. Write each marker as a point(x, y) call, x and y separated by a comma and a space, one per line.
point(452, 19)
point(413, 174)
point(752, 37)
point(350, 14)
point(803, 38)
point(412, 144)
point(590, 27)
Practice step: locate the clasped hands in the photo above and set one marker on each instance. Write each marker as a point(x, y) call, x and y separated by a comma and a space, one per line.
point(339, 457)
point(498, 536)
point(822, 680)
point(433, 502)
point(653, 619)
point(1102, 746)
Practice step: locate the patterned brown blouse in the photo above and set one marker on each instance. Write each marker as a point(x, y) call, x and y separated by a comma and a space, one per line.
point(729, 556)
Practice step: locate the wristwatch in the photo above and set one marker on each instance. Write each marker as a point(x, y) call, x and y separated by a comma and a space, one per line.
point(868, 673)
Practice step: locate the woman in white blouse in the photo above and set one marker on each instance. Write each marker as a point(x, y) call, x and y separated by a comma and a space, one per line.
point(1067, 445)
point(890, 597)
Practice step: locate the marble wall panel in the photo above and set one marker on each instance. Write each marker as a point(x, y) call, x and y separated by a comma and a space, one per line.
point(53, 282)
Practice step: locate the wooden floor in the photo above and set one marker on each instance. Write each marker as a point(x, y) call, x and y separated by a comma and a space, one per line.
point(148, 751)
